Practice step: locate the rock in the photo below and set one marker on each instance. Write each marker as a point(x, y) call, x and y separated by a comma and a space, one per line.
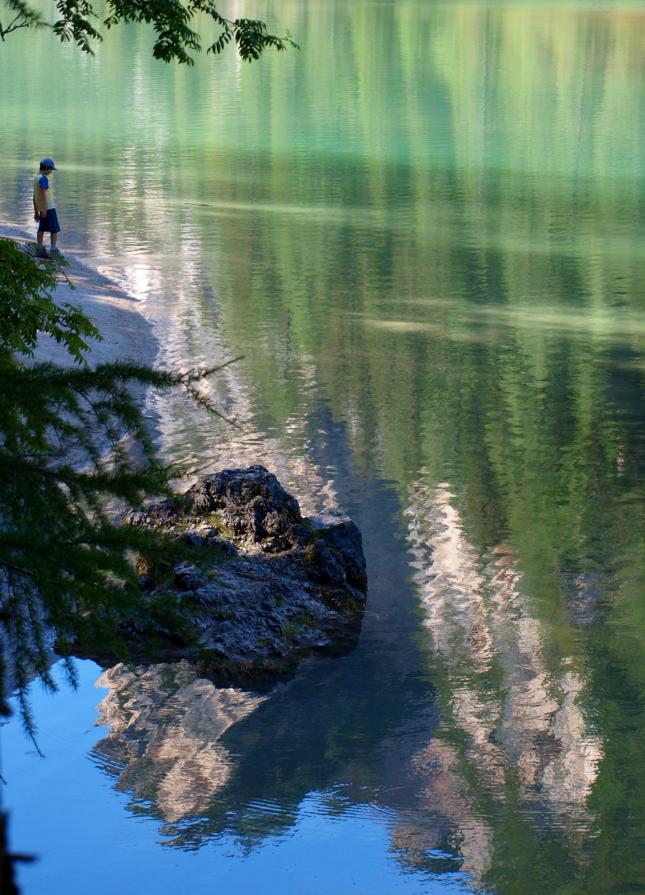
point(254, 505)
point(266, 588)
point(343, 540)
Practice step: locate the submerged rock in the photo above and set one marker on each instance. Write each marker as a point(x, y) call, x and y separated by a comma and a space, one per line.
point(267, 588)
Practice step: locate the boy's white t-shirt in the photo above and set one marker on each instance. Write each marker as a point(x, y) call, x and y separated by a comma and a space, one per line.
point(42, 181)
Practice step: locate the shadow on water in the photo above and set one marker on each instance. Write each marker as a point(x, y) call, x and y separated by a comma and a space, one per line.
point(473, 715)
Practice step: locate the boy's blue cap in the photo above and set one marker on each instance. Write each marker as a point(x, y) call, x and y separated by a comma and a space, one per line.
point(48, 162)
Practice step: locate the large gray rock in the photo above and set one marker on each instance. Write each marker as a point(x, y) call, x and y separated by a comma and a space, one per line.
point(254, 507)
point(267, 587)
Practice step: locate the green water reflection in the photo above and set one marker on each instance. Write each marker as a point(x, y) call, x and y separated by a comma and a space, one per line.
point(424, 229)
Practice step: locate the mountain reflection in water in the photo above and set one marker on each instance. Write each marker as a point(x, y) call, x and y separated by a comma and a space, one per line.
point(527, 733)
point(165, 726)
point(478, 617)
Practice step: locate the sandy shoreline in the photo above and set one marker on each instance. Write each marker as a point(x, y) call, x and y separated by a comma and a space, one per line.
point(127, 334)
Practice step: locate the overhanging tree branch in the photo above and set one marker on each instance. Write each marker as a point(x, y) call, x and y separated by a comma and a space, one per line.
point(173, 22)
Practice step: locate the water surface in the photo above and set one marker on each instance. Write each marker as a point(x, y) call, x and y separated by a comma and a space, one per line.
point(423, 232)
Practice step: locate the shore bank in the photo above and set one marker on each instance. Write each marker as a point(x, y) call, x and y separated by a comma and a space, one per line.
point(126, 334)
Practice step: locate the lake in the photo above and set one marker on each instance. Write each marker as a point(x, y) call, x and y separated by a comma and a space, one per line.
point(422, 234)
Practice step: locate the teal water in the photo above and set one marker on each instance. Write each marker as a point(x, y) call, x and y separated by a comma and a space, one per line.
point(423, 232)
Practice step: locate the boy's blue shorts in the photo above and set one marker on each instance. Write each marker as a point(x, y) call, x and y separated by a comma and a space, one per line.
point(50, 223)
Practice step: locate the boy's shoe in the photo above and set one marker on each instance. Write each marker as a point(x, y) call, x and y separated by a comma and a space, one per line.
point(41, 251)
point(55, 252)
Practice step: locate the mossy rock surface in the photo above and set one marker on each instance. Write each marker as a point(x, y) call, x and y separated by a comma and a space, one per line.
point(267, 586)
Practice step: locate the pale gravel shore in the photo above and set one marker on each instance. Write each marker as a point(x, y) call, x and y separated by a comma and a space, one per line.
point(127, 335)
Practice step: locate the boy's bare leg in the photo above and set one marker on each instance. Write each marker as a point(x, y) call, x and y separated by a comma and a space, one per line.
point(54, 240)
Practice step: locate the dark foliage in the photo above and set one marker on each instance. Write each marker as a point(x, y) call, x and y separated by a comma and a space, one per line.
point(65, 563)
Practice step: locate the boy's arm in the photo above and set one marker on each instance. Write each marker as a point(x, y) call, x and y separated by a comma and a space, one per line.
point(40, 201)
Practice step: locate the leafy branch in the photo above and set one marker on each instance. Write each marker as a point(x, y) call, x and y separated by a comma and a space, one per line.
point(176, 39)
point(25, 17)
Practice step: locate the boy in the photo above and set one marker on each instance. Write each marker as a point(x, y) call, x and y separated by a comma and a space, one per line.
point(44, 210)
